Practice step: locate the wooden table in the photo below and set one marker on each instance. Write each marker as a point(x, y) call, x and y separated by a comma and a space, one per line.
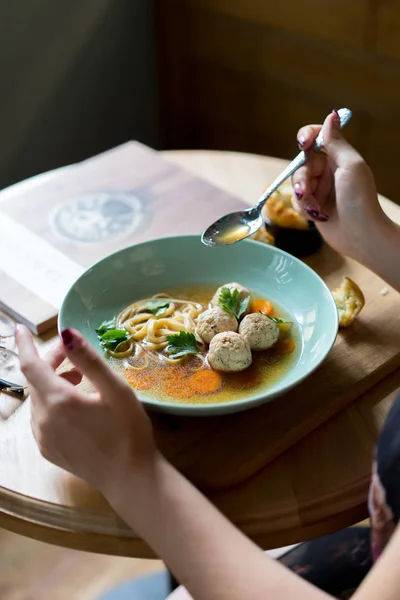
point(317, 486)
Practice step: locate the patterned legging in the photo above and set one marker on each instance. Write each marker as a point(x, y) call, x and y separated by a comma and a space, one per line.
point(336, 563)
point(339, 562)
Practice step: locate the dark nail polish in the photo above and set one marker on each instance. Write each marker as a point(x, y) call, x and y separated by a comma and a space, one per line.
point(298, 192)
point(68, 338)
point(316, 215)
point(336, 117)
point(302, 142)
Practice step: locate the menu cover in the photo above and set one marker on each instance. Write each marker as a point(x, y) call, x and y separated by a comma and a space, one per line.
point(60, 224)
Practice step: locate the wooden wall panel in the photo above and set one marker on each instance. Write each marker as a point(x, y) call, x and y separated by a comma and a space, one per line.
point(245, 75)
point(342, 21)
point(221, 103)
point(388, 29)
point(327, 72)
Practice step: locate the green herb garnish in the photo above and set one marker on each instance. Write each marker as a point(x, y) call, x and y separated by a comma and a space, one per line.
point(230, 301)
point(181, 344)
point(113, 338)
point(275, 319)
point(105, 326)
point(110, 337)
point(157, 307)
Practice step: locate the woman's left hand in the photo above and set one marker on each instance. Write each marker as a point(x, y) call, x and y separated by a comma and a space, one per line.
point(102, 436)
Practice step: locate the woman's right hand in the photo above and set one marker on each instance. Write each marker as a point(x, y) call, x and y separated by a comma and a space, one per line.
point(337, 190)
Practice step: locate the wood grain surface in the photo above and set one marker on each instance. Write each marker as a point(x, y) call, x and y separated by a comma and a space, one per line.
point(280, 495)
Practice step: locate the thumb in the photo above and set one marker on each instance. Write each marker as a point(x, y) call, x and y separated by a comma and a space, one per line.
point(337, 148)
point(89, 363)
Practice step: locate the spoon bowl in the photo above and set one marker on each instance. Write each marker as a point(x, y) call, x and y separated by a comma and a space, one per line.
point(233, 227)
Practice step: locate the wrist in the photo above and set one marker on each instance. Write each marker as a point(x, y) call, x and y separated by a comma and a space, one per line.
point(383, 248)
point(136, 484)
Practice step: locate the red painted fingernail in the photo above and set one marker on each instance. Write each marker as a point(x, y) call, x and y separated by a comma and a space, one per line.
point(298, 191)
point(302, 141)
point(336, 117)
point(68, 338)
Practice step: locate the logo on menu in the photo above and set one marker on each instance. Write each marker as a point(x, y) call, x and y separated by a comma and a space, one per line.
point(98, 217)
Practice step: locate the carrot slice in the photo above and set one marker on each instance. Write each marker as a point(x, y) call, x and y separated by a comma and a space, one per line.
point(177, 388)
point(261, 305)
point(140, 380)
point(205, 381)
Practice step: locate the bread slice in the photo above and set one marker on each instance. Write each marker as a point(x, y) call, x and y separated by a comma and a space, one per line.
point(349, 300)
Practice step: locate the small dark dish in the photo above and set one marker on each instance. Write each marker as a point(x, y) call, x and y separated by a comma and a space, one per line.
point(298, 242)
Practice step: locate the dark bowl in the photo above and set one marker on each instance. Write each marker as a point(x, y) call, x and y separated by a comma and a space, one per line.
point(297, 242)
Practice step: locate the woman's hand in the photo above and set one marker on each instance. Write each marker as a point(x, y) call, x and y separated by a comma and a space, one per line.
point(101, 437)
point(337, 190)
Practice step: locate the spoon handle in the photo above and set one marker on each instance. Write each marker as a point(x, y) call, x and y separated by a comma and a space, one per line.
point(300, 160)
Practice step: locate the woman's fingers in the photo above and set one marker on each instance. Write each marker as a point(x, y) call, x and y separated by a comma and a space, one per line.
point(88, 362)
point(73, 376)
point(306, 136)
point(305, 183)
point(55, 356)
point(324, 192)
point(37, 371)
point(340, 151)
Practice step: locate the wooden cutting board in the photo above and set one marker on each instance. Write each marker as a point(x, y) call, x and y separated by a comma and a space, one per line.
point(52, 231)
point(225, 451)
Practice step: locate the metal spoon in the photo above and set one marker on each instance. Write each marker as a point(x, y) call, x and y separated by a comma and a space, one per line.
point(240, 225)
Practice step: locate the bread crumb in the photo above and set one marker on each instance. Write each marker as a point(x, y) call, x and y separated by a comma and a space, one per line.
point(384, 291)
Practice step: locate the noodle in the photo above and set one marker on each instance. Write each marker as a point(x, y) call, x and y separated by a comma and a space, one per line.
point(148, 332)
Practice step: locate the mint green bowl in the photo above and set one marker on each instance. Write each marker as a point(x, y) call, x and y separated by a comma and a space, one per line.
point(140, 271)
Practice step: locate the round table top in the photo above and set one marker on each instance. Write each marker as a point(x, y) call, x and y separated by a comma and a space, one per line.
point(315, 487)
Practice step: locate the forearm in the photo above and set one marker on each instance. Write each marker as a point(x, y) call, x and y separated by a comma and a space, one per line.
point(211, 558)
point(382, 251)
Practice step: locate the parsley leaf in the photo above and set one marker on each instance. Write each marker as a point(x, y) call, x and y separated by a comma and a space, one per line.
point(157, 307)
point(230, 301)
point(110, 337)
point(181, 344)
point(105, 326)
point(275, 319)
point(113, 338)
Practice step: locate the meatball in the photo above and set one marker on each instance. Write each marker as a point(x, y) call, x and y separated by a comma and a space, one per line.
point(243, 292)
point(229, 351)
point(213, 321)
point(260, 332)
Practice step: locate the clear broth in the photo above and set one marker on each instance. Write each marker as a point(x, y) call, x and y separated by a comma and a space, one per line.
point(163, 382)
